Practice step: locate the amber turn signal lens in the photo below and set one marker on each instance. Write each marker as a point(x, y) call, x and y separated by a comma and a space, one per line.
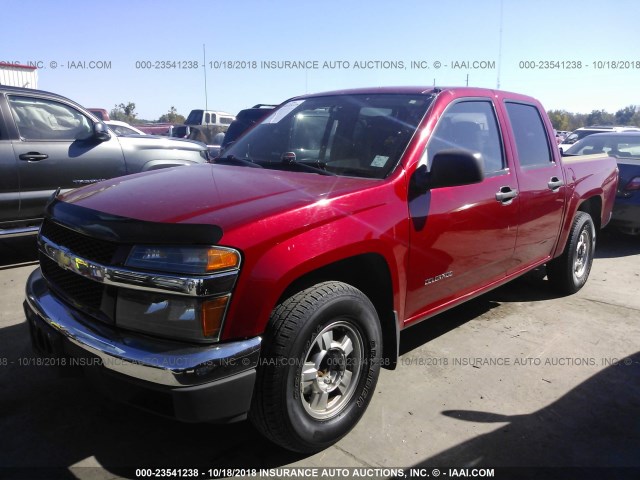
point(212, 314)
point(218, 259)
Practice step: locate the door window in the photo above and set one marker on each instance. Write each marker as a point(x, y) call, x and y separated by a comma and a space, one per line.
point(472, 126)
point(39, 119)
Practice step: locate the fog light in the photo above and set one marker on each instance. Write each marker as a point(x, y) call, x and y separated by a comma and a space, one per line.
point(212, 314)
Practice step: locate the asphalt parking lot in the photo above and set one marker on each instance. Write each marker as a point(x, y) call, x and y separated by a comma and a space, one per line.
point(516, 378)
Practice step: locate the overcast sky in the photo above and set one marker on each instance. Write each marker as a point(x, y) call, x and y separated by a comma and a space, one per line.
point(590, 49)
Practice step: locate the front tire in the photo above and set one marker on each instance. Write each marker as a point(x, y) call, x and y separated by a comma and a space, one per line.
point(319, 367)
point(569, 272)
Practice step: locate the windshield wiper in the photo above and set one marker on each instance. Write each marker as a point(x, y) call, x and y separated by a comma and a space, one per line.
point(233, 160)
point(289, 158)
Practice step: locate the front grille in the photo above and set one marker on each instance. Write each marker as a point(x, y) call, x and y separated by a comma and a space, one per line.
point(100, 251)
point(83, 293)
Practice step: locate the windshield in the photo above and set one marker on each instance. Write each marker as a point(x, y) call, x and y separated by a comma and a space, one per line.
point(353, 135)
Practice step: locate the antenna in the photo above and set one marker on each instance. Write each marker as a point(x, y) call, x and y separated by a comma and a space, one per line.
point(204, 67)
point(499, 47)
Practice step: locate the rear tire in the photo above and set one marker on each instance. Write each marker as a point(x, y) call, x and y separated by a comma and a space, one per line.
point(569, 272)
point(319, 367)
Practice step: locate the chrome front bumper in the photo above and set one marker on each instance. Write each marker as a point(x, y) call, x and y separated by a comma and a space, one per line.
point(197, 382)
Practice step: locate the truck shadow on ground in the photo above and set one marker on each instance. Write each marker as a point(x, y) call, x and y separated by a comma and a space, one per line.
point(55, 423)
point(593, 425)
point(613, 244)
point(17, 251)
point(529, 288)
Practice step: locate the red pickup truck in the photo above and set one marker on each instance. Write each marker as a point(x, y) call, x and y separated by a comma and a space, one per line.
point(276, 282)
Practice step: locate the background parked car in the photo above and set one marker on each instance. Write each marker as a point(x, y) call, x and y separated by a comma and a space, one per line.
point(162, 129)
point(246, 119)
point(583, 132)
point(49, 142)
point(206, 124)
point(101, 113)
point(123, 128)
point(626, 148)
point(195, 133)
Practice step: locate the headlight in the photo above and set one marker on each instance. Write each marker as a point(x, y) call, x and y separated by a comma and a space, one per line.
point(191, 259)
point(193, 317)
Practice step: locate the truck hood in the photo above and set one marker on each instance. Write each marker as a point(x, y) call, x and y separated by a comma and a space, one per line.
point(225, 196)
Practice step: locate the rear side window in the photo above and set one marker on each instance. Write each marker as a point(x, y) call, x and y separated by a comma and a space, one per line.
point(530, 134)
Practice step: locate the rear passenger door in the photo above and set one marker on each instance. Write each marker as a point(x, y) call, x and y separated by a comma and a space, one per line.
point(541, 185)
point(57, 148)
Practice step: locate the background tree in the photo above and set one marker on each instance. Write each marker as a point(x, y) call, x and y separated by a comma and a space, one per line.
point(624, 116)
point(600, 117)
point(172, 116)
point(578, 120)
point(561, 119)
point(124, 113)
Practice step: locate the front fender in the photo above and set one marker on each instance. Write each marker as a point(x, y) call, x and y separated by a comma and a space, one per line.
point(269, 269)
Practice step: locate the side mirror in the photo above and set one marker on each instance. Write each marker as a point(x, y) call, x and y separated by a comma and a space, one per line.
point(450, 168)
point(101, 132)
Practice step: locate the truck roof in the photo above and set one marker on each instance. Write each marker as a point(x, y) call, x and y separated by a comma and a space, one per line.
point(422, 90)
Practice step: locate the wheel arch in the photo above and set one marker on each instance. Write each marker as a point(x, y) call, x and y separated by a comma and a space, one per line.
point(369, 273)
point(591, 204)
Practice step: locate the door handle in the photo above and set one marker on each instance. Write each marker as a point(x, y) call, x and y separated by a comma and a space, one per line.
point(506, 195)
point(33, 156)
point(554, 184)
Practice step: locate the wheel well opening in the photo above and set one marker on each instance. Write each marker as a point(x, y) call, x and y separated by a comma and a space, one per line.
point(370, 274)
point(593, 206)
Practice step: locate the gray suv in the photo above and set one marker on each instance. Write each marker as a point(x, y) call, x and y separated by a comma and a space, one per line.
point(49, 142)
